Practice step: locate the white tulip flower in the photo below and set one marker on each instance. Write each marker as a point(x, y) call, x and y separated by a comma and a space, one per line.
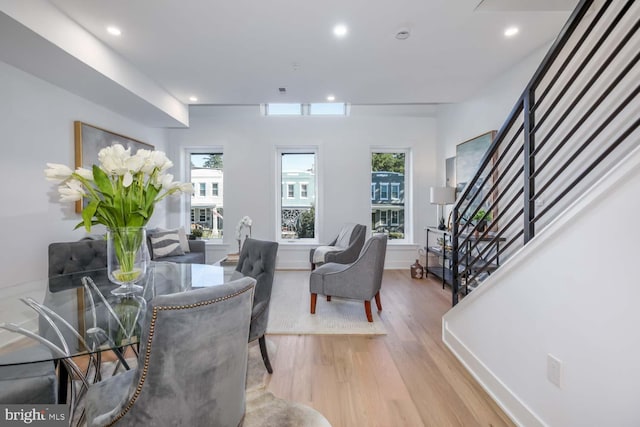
point(186, 187)
point(114, 159)
point(159, 160)
point(85, 173)
point(71, 191)
point(57, 172)
point(135, 163)
point(127, 180)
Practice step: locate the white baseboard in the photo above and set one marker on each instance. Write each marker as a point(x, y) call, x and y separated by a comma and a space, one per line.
point(513, 407)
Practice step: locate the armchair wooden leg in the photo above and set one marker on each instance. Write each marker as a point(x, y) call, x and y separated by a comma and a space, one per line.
point(265, 355)
point(378, 303)
point(314, 298)
point(329, 298)
point(367, 310)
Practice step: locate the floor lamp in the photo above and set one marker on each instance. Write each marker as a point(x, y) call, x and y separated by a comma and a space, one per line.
point(442, 196)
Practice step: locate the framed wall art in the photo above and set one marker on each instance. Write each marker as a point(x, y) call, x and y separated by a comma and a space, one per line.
point(89, 140)
point(469, 155)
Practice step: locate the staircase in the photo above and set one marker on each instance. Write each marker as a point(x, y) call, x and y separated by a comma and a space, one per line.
point(576, 119)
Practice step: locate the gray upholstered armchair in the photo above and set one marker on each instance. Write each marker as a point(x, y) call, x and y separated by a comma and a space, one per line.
point(361, 279)
point(192, 364)
point(258, 260)
point(344, 249)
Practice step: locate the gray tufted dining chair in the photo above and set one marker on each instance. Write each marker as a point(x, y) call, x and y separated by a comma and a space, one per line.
point(258, 260)
point(192, 364)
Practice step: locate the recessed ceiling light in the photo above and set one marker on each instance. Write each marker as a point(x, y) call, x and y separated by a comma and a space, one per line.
point(511, 31)
point(340, 30)
point(193, 99)
point(115, 31)
point(331, 98)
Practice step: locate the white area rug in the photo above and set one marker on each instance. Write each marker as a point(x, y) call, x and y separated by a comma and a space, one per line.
point(289, 310)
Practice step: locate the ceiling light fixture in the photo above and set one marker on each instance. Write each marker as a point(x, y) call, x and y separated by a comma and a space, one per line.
point(193, 99)
point(511, 31)
point(340, 30)
point(331, 98)
point(114, 31)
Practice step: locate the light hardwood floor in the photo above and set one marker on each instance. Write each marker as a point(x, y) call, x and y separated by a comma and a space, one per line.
point(405, 378)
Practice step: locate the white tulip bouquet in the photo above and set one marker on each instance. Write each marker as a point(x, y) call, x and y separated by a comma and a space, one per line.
point(122, 191)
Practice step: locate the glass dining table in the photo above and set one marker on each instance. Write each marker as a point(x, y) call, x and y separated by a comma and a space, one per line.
point(77, 312)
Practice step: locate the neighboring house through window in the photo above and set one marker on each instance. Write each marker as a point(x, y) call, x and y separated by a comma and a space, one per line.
point(297, 213)
point(389, 204)
point(206, 211)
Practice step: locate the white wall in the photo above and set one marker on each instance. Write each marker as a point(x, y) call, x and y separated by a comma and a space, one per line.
point(36, 119)
point(569, 293)
point(485, 111)
point(249, 141)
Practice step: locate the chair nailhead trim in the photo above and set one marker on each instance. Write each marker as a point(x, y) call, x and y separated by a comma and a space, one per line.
point(147, 356)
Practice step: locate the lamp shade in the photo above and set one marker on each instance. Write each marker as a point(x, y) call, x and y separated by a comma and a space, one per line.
point(442, 195)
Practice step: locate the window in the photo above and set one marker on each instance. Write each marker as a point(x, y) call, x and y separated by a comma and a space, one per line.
point(384, 191)
point(315, 109)
point(297, 213)
point(283, 109)
point(328, 109)
point(206, 211)
point(395, 190)
point(394, 217)
point(389, 211)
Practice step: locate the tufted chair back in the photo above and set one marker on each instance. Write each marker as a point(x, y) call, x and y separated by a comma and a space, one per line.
point(72, 257)
point(258, 260)
point(192, 364)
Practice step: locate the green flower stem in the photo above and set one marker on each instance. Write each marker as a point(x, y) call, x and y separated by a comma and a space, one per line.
point(127, 242)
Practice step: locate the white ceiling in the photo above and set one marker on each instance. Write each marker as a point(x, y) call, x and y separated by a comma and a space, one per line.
point(242, 51)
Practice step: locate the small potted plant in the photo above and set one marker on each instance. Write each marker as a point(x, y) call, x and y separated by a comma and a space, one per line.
point(481, 219)
point(196, 233)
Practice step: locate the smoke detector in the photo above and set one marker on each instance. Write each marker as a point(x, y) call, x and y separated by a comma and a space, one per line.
point(403, 33)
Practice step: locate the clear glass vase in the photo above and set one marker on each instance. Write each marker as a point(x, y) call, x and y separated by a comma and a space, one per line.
point(127, 258)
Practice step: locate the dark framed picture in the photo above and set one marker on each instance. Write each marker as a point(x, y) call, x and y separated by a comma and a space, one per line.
point(89, 140)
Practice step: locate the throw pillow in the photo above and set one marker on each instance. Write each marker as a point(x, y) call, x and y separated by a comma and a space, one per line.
point(184, 242)
point(165, 243)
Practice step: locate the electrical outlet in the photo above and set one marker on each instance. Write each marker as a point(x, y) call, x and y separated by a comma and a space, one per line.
point(554, 370)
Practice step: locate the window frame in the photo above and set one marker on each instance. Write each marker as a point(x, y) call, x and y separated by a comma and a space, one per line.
point(384, 185)
point(187, 219)
point(279, 151)
point(408, 191)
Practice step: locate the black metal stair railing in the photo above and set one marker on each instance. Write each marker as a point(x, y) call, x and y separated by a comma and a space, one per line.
point(577, 117)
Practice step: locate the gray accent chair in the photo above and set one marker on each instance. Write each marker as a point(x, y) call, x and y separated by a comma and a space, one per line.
point(258, 260)
point(347, 255)
point(29, 383)
point(192, 364)
point(360, 280)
